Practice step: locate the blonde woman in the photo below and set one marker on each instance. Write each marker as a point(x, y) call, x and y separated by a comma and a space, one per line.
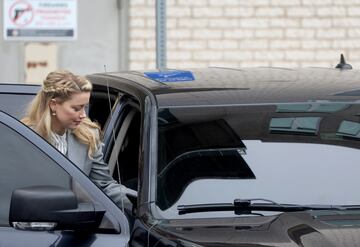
point(58, 114)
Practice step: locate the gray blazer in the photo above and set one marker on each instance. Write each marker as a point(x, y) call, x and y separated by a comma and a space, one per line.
point(95, 168)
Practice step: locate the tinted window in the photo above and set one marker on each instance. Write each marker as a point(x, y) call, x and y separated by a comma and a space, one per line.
point(221, 153)
point(15, 104)
point(22, 165)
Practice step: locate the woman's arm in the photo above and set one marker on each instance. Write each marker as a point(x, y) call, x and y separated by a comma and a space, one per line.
point(100, 175)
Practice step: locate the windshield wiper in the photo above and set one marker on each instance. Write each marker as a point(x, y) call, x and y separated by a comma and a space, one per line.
point(246, 206)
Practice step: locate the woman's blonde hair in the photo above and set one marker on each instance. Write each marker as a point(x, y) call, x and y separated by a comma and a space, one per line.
point(61, 84)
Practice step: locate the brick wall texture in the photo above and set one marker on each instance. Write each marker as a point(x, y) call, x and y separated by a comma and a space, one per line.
point(247, 33)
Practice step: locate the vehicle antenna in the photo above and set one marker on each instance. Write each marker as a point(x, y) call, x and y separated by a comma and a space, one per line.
point(343, 64)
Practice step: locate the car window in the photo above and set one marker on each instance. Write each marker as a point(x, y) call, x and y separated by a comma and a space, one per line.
point(206, 152)
point(23, 164)
point(124, 146)
point(101, 102)
point(15, 104)
point(128, 156)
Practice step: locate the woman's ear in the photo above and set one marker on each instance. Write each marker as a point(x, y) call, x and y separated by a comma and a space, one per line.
point(52, 105)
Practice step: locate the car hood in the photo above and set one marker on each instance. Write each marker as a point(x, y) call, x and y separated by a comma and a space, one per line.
point(315, 228)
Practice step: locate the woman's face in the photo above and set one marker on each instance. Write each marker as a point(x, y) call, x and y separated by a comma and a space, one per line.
point(69, 113)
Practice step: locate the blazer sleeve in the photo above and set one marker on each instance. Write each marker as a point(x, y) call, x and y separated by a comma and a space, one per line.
point(100, 175)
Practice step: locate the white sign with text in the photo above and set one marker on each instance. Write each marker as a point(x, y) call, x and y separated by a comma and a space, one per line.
point(44, 20)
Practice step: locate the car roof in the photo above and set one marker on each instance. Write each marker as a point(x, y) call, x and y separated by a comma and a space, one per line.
point(230, 86)
point(227, 86)
point(19, 88)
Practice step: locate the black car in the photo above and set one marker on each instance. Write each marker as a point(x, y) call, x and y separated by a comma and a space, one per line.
point(218, 157)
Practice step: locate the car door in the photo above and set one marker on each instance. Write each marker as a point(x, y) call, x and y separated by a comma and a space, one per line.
point(28, 163)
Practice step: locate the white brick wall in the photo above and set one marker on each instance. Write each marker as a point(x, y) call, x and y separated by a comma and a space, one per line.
point(248, 33)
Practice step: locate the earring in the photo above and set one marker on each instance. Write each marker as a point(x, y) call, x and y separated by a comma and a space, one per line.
point(53, 113)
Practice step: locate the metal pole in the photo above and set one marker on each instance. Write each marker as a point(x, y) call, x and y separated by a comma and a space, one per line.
point(123, 8)
point(161, 34)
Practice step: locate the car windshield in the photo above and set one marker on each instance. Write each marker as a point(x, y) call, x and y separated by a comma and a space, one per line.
point(303, 153)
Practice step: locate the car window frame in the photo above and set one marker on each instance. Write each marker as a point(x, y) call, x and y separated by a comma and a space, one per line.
point(122, 107)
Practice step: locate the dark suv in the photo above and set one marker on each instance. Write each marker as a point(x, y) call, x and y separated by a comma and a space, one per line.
point(218, 157)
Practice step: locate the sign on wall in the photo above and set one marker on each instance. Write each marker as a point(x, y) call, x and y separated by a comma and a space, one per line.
point(40, 20)
point(40, 59)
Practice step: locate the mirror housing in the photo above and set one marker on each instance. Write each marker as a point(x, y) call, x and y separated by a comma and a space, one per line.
point(52, 208)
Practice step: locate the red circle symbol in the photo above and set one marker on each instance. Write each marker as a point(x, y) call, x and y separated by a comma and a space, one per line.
point(21, 13)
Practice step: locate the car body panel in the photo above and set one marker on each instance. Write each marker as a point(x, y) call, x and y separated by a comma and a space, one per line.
point(287, 229)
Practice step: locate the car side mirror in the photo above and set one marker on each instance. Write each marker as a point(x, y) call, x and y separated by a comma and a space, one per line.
point(45, 208)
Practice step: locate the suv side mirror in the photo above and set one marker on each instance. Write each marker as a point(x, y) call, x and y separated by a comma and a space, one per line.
point(45, 208)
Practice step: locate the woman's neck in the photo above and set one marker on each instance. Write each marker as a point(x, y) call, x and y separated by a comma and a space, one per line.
point(57, 129)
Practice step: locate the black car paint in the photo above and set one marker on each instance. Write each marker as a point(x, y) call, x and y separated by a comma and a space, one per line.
point(290, 229)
